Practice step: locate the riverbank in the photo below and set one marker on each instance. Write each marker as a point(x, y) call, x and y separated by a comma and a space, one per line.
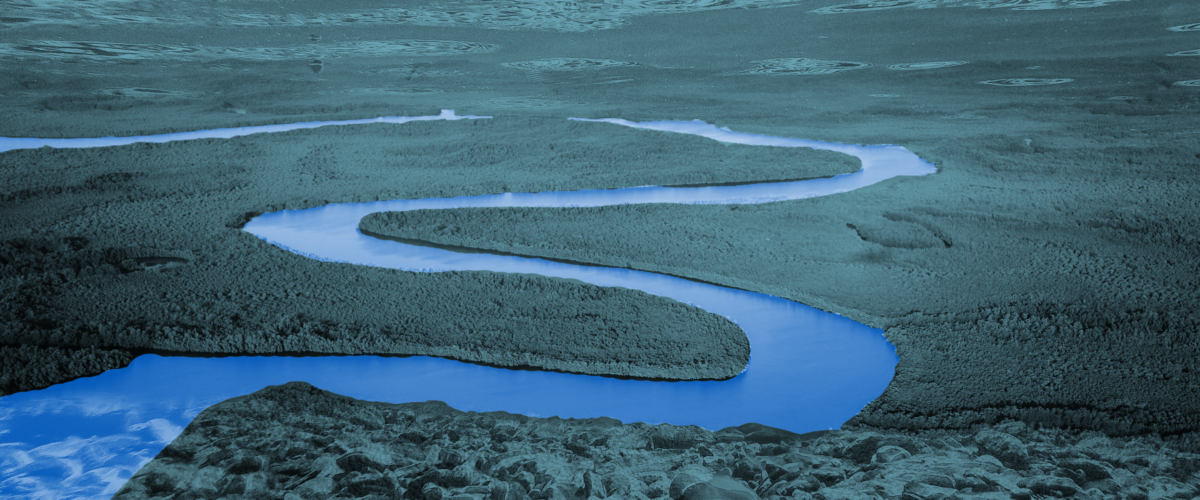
point(314, 443)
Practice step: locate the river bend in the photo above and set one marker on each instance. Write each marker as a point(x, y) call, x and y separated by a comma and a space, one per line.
point(808, 370)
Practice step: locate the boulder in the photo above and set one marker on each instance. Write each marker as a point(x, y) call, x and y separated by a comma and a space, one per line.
point(1006, 448)
point(889, 454)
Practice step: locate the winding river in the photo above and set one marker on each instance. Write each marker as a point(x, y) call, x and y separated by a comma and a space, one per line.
point(809, 370)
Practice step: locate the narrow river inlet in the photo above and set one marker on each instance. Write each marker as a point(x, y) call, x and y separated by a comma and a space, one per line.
point(809, 370)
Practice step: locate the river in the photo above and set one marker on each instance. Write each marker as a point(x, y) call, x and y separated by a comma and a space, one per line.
point(809, 370)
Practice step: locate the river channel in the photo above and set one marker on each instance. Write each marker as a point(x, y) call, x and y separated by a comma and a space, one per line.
point(809, 370)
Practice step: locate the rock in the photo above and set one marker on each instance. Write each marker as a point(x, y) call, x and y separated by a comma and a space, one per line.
point(1050, 485)
point(758, 433)
point(675, 438)
point(681, 483)
point(698, 491)
point(936, 479)
point(841, 493)
point(773, 450)
point(592, 486)
point(497, 490)
point(828, 477)
point(557, 492)
point(862, 450)
point(621, 485)
point(1006, 448)
point(449, 459)
point(719, 487)
point(990, 495)
point(1083, 471)
point(369, 484)
point(889, 454)
point(245, 466)
point(359, 462)
point(431, 491)
point(921, 491)
point(807, 484)
point(1107, 486)
point(990, 461)
point(747, 471)
point(974, 483)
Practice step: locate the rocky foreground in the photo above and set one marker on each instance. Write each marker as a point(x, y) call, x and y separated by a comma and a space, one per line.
point(295, 441)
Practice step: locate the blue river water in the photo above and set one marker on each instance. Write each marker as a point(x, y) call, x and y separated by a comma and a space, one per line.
point(809, 370)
